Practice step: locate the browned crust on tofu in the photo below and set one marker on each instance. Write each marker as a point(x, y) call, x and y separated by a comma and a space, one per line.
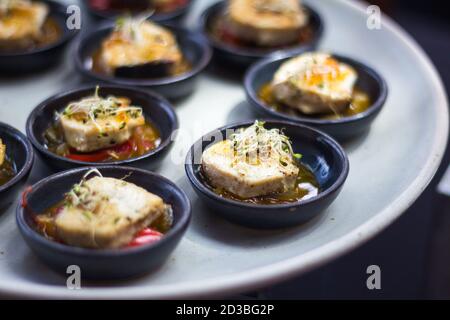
point(25, 36)
point(2, 152)
point(310, 103)
point(139, 53)
point(264, 28)
point(239, 183)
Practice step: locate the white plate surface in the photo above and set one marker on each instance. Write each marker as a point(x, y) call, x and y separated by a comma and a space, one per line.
point(389, 168)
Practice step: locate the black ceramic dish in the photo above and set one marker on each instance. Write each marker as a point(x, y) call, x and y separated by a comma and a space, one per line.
point(344, 128)
point(244, 56)
point(20, 152)
point(194, 47)
point(103, 264)
point(320, 153)
point(174, 16)
point(155, 108)
point(40, 58)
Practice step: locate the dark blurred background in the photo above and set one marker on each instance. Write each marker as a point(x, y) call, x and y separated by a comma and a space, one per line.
point(414, 252)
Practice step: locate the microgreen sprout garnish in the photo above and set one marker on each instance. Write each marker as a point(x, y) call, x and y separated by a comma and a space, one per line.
point(77, 196)
point(256, 143)
point(129, 26)
point(95, 107)
point(80, 194)
point(129, 174)
point(274, 6)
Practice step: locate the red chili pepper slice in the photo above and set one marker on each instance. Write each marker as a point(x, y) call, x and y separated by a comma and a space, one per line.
point(89, 157)
point(26, 191)
point(125, 147)
point(98, 156)
point(229, 37)
point(146, 236)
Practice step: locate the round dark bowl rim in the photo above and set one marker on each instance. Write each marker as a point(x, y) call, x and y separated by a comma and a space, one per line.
point(29, 159)
point(257, 52)
point(162, 103)
point(374, 108)
point(61, 41)
point(332, 143)
point(198, 66)
point(119, 252)
point(159, 17)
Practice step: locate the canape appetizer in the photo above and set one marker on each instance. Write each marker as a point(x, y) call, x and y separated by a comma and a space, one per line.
point(139, 48)
point(258, 165)
point(263, 23)
point(316, 84)
point(135, 6)
point(7, 171)
point(106, 213)
point(26, 25)
point(101, 129)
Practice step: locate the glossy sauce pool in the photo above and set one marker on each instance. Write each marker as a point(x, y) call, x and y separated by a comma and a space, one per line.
point(7, 171)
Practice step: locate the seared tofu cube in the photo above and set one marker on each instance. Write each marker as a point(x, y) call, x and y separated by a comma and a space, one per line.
point(266, 22)
point(87, 136)
point(110, 213)
point(139, 43)
point(21, 23)
point(243, 178)
point(315, 83)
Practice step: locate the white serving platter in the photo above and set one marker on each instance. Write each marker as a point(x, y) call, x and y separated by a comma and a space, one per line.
point(389, 168)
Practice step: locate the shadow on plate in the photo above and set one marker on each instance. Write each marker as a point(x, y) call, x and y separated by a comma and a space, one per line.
point(210, 227)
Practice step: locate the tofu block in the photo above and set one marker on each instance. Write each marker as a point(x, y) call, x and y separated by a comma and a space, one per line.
point(266, 22)
point(2, 152)
point(246, 179)
point(110, 213)
point(139, 43)
point(107, 132)
point(22, 22)
point(315, 83)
